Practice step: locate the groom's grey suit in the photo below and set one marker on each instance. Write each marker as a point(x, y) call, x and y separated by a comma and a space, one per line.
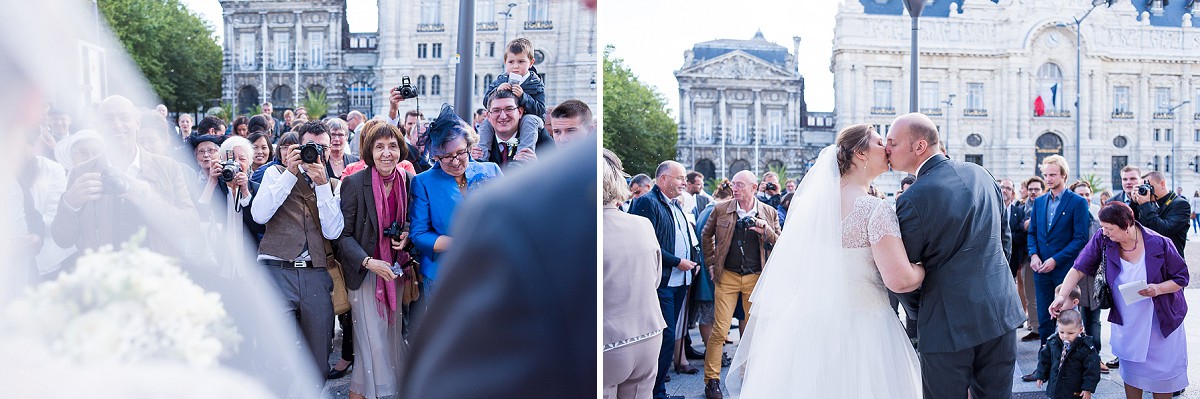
point(952, 219)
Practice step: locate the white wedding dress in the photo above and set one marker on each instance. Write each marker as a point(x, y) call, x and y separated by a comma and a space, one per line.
point(820, 323)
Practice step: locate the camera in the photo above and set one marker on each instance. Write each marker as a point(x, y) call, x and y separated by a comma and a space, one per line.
point(393, 231)
point(229, 168)
point(771, 187)
point(311, 152)
point(1145, 188)
point(746, 222)
point(406, 89)
point(113, 184)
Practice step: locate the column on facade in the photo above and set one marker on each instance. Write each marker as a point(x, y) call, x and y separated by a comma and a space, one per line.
point(266, 34)
point(686, 130)
point(953, 121)
point(1025, 106)
point(862, 92)
point(296, 58)
point(758, 128)
point(1145, 112)
point(335, 24)
point(722, 111)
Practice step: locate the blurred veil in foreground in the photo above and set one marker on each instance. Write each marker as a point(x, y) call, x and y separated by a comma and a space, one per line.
point(141, 302)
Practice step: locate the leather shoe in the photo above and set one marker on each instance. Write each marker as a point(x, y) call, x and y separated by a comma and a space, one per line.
point(334, 373)
point(692, 354)
point(1114, 364)
point(712, 390)
point(1031, 336)
point(1028, 378)
point(1180, 392)
point(686, 369)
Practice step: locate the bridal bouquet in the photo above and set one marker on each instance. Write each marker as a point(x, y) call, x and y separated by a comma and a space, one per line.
point(127, 305)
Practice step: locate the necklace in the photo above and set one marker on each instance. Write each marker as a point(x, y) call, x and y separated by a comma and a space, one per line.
point(1135, 244)
point(463, 184)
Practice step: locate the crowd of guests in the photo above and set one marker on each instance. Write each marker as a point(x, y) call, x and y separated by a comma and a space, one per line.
point(1072, 249)
point(318, 201)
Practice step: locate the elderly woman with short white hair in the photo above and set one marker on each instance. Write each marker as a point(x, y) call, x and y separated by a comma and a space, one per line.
point(230, 209)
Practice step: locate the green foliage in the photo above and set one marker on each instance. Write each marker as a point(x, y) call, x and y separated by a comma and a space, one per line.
point(256, 110)
point(317, 104)
point(1096, 182)
point(781, 170)
point(225, 112)
point(636, 124)
point(174, 48)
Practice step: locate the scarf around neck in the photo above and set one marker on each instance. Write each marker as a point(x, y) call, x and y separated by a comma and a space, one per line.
point(393, 209)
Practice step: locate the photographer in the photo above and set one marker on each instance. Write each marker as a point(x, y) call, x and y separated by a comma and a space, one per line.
point(1162, 210)
point(737, 240)
point(300, 207)
point(413, 124)
point(770, 194)
point(230, 210)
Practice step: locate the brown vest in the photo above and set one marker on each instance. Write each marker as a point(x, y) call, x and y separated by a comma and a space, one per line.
point(295, 224)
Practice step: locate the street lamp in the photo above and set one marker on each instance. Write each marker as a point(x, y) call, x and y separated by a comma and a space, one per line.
point(1079, 75)
point(1173, 136)
point(949, 103)
point(914, 8)
point(507, 14)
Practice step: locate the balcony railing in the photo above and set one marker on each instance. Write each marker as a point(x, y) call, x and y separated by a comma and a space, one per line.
point(883, 111)
point(539, 25)
point(975, 112)
point(1164, 115)
point(431, 27)
point(931, 111)
point(1066, 113)
point(1122, 115)
point(487, 26)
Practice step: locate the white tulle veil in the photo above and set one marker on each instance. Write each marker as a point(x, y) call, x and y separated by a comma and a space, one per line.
point(795, 305)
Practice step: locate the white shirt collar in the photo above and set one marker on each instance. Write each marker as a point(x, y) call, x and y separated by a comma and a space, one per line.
point(923, 164)
point(743, 213)
point(512, 141)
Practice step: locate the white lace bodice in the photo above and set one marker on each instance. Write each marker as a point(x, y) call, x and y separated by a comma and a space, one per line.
point(870, 220)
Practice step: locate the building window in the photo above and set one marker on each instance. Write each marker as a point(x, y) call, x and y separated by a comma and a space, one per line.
point(1169, 136)
point(421, 84)
point(775, 126)
point(246, 45)
point(487, 81)
point(974, 105)
point(360, 96)
point(1196, 164)
point(282, 50)
point(1050, 90)
point(281, 97)
point(704, 124)
point(422, 50)
point(930, 98)
point(1157, 134)
point(1121, 103)
point(1156, 163)
point(435, 85)
point(485, 11)
point(1162, 102)
point(883, 98)
point(1197, 136)
point(539, 10)
point(437, 50)
point(741, 126)
point(975, 159)
point(1167, 164)
point(316, 49)
point(430, 12)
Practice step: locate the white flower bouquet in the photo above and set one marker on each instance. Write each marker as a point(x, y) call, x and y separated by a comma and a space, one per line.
point(128, 305)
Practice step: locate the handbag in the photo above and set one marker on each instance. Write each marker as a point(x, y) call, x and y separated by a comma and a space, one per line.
point(341, 300)
point(410, 284)
point(1104, 292)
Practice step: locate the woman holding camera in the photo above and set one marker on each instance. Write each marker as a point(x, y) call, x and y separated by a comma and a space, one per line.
point(227, 194)
point(375, 206)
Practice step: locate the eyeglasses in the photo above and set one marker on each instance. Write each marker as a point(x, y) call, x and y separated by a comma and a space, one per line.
point(452, 157)
point(507, 110)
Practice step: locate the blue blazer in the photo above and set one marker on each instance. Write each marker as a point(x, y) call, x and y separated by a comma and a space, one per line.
point(435, 198)
point(1066, 238)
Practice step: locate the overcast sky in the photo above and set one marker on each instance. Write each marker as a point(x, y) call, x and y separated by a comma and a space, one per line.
point(652, 35)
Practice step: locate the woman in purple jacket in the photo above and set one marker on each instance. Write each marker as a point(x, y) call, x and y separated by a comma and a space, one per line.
point(1147, 336)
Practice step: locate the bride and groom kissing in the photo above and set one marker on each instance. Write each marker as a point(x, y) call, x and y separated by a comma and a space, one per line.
point(821, 324)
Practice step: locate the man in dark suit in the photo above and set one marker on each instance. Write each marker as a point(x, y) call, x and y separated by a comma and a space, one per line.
point(1059, 223)
point(1019, 256)
point(507, 125)
point(952, 219)
point(513, 317)
point(679, 243)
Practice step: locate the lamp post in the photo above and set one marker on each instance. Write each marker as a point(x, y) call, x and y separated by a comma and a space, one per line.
point(507, 14)
point(1079, 76)
point(949, 103)
point(1173, 136)
point(914, 8)
point(465, 59)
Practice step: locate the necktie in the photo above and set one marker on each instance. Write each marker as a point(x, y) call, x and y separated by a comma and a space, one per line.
point(1063, 358)
point(503, 153)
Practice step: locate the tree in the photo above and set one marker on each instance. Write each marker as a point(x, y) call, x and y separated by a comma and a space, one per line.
point(636, 125)
point(174, 48)
point(316, 102)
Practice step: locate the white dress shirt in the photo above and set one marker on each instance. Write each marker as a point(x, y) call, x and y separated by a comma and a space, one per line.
point(275, 188)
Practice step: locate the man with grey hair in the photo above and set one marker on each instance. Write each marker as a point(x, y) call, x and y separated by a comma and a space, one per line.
point(680, 252)
point(737, 240)
point(355, 121)
point(638, 186)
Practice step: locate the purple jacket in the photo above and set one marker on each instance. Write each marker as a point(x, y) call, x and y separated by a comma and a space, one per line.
point(1162, 263)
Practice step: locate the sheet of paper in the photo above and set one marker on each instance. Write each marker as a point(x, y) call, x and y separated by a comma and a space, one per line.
point(1129, 291)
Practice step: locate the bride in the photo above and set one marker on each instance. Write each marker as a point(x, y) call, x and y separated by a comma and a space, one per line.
point(822, 325)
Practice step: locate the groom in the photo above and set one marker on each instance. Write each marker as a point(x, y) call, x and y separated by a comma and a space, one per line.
point(952, 219)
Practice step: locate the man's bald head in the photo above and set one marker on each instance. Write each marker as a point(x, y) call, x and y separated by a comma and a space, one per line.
point(919, 126)
point(670, 178)
point(745, 185)
point(913, 139)
point(119, 119)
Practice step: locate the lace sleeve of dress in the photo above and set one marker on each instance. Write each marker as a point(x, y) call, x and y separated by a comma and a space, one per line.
point(883, 222)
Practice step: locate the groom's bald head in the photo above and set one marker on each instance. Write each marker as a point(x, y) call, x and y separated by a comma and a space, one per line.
point(913, 139)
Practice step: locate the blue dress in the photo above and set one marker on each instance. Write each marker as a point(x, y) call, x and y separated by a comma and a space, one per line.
point(435, 198)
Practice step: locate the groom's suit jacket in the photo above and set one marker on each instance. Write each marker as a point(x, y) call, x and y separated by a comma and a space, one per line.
point(952, 219)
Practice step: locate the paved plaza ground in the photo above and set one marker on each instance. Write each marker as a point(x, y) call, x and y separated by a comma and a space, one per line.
point(692, 386)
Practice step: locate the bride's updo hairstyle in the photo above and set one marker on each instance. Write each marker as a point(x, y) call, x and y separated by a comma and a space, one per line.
point(850, 141)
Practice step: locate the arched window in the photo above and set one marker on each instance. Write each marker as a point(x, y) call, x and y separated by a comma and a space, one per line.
point(247, 98)
point(435, 85)
point(281, 97)
point(421, 85)
point(706, 167)
point(738, 166)
point(1050, 88)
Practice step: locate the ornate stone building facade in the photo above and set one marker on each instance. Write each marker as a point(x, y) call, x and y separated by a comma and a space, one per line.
point(741, 107)
point(276, 49)
point(1000, 80)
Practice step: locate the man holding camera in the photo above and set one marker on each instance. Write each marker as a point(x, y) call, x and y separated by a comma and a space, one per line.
point(770, 193)
point(301, 209)
point(737, 240)
point(413, 124)
point(1159, 209)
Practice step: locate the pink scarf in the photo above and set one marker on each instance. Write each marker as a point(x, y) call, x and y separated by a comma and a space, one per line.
point(392, 209)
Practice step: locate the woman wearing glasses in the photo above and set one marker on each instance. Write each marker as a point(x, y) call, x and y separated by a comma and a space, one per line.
point(438, 191)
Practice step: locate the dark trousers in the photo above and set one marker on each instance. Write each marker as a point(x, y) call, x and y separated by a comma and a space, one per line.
point(1043, 285)
point(347, 323)
point(910, 319)
point(985, 369)
point(306, 298)
point(670, 300)
point(1091, 324)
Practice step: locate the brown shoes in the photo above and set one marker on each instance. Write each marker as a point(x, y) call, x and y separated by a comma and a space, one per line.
point(712, 390)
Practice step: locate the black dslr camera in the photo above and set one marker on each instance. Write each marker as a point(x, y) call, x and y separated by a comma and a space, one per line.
point(746, 222)
point(406, 89)
point(113, 184)
point(1145, 188)
point(311, 152)
point(229, 168)
point(771, 187)
point(393, 231)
